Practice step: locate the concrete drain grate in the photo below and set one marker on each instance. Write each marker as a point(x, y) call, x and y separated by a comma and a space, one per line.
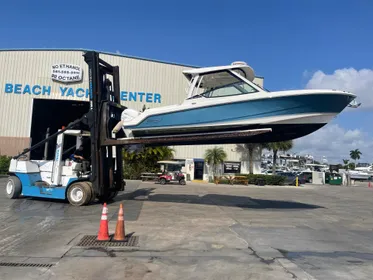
point(46, 265)
point(90, 241)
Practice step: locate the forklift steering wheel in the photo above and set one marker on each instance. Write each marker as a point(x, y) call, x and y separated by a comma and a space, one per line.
point(23, 157)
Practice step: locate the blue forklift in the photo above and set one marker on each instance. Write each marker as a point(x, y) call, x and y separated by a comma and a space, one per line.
point(58, 179)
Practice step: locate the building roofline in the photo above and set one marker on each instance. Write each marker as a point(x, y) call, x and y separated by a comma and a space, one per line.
point(107, 53)
point(102, 52)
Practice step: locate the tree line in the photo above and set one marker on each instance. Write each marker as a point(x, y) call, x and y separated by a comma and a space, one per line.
point(146, 161)
point(217, 155)
point(354, 155)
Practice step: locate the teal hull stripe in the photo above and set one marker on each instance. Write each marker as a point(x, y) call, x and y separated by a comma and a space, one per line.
point(317, 103)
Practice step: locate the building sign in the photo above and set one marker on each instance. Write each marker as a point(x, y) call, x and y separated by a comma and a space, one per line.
point(36, 90)
point(66, 73)
point(232, 167)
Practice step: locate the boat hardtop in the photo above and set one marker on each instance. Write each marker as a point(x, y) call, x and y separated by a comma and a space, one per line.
point(240, 67)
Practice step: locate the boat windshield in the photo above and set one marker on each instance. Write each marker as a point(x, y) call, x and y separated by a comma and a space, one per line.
point(361, 164)
point(221, 84)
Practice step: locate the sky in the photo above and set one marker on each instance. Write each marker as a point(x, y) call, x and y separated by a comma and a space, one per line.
point(293, 44)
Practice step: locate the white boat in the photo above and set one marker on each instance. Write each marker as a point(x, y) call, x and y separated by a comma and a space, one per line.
point(225, 99)
point(362, 172)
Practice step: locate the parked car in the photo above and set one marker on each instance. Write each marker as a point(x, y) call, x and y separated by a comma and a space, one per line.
point(291, 178)
point(307, 175)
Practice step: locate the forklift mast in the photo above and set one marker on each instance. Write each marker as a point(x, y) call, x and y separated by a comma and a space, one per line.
point(105, 112)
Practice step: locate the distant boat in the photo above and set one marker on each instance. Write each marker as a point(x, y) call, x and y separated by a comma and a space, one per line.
point(362, 172)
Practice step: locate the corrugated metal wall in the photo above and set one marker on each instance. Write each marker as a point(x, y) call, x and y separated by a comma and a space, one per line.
point(34, 68)
point(198, 151)
point(136, 75)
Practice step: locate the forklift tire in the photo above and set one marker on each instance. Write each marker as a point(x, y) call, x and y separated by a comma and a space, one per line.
point(13, 187)
point(162, 181)
point(182, 182)
point(93, 196)
point(79, 194)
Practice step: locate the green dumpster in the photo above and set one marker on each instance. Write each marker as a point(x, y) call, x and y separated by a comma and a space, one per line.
point(335, 179)
point(327, 177)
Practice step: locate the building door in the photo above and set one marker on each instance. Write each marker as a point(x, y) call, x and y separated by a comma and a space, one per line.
point(54, 114)
point(198, 169)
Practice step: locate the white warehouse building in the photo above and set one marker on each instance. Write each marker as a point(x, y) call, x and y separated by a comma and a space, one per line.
point(33, 99)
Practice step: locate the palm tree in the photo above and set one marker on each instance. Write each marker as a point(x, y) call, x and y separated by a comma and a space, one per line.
point(214, 157)
point(279, 146)
point(345, 162)
point(161, 153)
point(248, 151)
point(263, 146)
point(355, 155)
point(145, 161)
point(150, 154)
point(351, 166)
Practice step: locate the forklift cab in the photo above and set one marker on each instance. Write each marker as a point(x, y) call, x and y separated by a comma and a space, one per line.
point(82, 138)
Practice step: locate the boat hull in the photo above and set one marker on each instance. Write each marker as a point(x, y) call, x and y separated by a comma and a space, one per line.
point(289, 117)
point(355, 175)
point(279, 133)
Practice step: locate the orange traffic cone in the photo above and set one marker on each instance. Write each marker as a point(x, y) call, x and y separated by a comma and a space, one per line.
point(119, 230)
point(103, 233)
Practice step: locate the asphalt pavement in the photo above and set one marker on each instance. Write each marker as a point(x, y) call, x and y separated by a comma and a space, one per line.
point(197, 231)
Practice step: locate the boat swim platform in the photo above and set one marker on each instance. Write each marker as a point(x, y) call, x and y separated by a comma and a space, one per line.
point(192, 137)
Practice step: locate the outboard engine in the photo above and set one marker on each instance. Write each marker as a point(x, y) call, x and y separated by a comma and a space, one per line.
point(127, 116)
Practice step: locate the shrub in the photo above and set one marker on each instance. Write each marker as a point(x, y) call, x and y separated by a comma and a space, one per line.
point(254, 179)
point(224, 182)
point(275, 180)
point(145, 161)
point(4, 164)
point(133, 170)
